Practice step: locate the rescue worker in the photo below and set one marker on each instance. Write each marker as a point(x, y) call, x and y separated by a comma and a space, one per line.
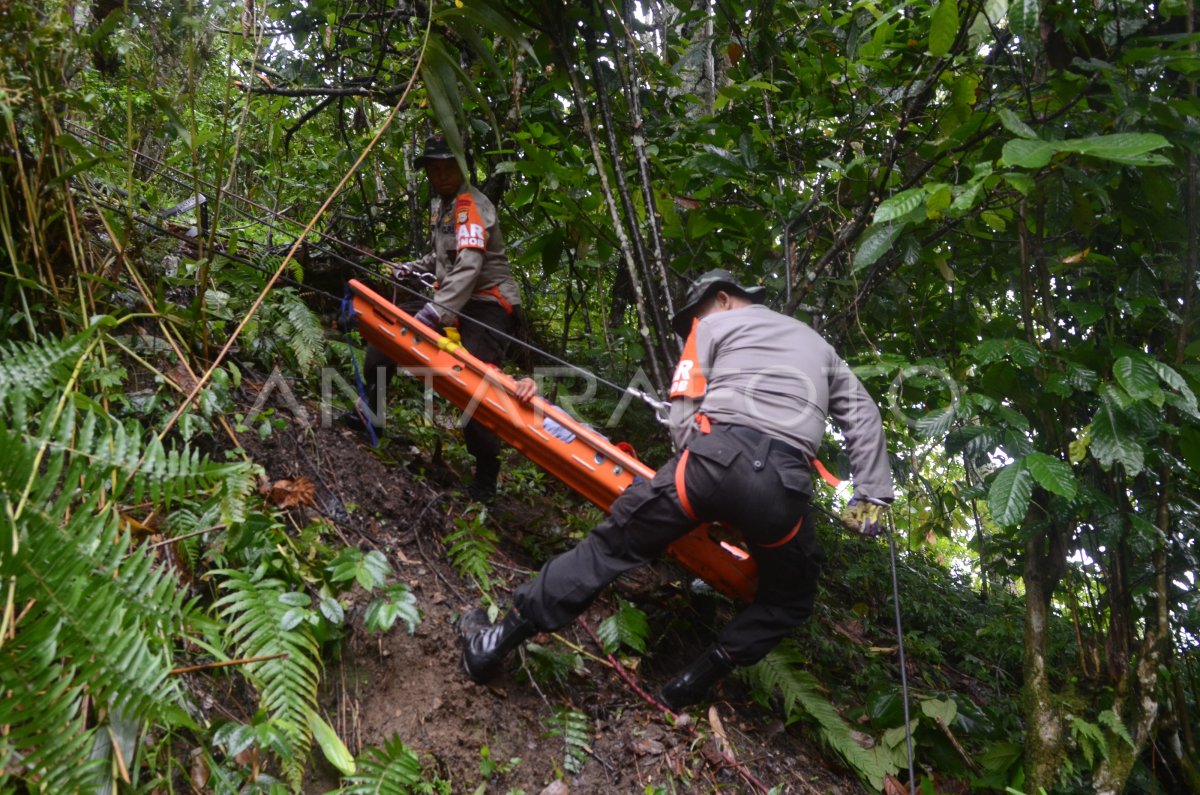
point(749, 400)
point(473, 281)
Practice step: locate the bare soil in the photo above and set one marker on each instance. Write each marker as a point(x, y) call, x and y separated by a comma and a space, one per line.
point(413, 686)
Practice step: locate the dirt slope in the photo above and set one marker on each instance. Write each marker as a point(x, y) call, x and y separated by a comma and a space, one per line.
point(413, 687)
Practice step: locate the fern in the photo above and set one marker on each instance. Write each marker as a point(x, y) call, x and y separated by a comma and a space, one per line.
point(470, 547)
point(394, 770)
point(549, 665)
point(627, 627)
point(36, 370)
point(575, 730)
point(98, 617)
point(301, 330)
point(781, 671)
point(265, 619)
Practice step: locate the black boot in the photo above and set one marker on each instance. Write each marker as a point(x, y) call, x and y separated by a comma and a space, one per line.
point(483, 488)
point(692, 684)
point(486, 648)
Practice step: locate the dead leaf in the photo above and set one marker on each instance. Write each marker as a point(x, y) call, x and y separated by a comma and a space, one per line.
point(556, 788)
point(648, 747)
point(199, 773)
point(865, 740)
point(180, 375)
point(892, 786)
point(286, 493)
point(721, 738)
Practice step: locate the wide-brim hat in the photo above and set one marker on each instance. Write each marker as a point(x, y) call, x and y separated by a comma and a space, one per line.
point(436, 148)
point(703, 287)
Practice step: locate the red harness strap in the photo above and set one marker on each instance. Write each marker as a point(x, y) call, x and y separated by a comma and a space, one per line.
point(681, 486)
point(785, 539)
point(494, 292)
point(825, 474)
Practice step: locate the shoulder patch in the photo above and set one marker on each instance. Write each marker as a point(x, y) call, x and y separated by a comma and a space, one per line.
point(470, 231)
point(689, 380)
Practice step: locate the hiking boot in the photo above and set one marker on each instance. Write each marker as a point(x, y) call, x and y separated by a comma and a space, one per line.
point(482, 493)
point(486, 647)
point(356, 420)
point(692, 684)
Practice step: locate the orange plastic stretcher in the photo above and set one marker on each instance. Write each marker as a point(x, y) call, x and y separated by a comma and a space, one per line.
point(591, 465)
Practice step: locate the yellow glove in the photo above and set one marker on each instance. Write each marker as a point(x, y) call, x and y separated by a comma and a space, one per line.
point(864, 517)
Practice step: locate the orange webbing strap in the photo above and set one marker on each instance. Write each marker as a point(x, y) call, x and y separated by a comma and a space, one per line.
point(785, 539)
point(703, 422)
point(494, 292)
point(825, 474)
point(681, 486)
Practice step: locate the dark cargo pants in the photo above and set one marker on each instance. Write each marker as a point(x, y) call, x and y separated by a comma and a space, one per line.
point(733, 475)
point(485, 345)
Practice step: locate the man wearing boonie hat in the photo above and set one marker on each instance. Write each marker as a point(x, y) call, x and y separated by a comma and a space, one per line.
point(473, 280)
point(749, 399)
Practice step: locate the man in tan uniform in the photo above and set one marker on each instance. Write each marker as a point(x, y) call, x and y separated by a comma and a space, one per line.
point(475, 292)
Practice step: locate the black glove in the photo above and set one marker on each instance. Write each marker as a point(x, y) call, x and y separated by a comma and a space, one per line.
point(430, 316)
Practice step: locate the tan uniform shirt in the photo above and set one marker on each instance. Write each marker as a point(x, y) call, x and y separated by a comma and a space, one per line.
point(467, 254)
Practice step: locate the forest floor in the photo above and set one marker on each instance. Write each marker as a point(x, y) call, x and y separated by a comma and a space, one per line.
point(496, 738)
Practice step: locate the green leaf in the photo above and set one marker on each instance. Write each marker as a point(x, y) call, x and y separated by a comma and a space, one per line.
point(375, 570)
point(1009, 495)
point(1137, 376)
point(876, 242)
point(331, 745)
point(626, 627)
point(1012, 122)
point(938, 709)
point(1129, 148)
point(1023, 17)
point(1133, 149)
point(332, 610)
point(1176, 381)
point(1028, 154)
point(1052, 474)
point(899, 205)
point(943, 29)
point(936, 423)
point(1114, 440)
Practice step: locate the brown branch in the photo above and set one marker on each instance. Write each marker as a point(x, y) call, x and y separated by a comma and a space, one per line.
point(380, 92)
point(224, 664)
point(616, 665)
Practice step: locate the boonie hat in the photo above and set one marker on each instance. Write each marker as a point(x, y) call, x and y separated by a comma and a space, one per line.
point(436, 148)
point(705, 286)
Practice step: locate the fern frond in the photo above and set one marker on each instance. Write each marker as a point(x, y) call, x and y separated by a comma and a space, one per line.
point(394, 770)
point(101, 625)
point(781, 671)
point(470, 548)
point(36, 369)
point(627, 627)
point(575, 730)
point(258, 627)
point(303, 334)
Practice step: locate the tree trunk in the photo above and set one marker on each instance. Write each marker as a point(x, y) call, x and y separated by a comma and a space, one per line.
point(644, 325)
point(1044, 745)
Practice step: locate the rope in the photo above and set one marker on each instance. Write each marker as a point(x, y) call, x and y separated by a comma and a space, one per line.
point(891, 534)
point(347, 318)
point(660, 407)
